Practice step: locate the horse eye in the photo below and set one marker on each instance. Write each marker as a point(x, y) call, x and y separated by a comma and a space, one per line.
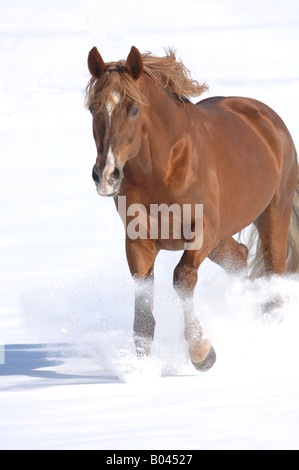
point(134, 111)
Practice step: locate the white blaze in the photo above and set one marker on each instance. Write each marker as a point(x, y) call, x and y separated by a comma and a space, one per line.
point(105, 188)
point(111, 103)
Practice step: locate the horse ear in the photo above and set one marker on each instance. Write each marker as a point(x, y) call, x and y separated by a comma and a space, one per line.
point(134, 63)
point(96, 64)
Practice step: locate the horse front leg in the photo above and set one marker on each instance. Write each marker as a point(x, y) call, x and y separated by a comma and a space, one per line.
point(144, 321)
point(141, 255)
point(230, 255)
point(201, 351)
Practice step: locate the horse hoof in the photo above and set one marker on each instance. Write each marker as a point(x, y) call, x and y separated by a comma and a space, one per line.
point(207, 362)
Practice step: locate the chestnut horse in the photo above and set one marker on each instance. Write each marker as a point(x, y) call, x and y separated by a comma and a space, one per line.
point(233, 155)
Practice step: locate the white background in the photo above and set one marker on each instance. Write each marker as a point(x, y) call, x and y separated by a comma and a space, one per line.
point(71, 380)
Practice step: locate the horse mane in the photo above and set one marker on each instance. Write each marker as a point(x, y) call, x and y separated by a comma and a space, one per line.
point(166, 72)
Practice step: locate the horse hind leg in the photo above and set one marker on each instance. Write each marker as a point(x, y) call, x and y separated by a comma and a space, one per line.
point(273, 228)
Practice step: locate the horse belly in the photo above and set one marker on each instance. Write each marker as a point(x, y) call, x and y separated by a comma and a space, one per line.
point(243, 208)
point(249, 175)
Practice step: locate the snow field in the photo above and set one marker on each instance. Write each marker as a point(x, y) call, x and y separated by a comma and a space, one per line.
point(71, 379)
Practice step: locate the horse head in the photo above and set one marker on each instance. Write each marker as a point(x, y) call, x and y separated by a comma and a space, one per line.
point(117, 123)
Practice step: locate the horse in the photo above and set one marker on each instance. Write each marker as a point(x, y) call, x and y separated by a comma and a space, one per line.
point(233, 155)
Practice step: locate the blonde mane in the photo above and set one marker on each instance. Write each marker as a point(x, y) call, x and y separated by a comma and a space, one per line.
point(167, 72)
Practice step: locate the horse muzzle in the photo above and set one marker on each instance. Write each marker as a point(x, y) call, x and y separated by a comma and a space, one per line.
point(107, 182)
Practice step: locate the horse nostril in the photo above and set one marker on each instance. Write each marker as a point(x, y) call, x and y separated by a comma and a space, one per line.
point(116, 174)
point(114, 177)
point(95, 175)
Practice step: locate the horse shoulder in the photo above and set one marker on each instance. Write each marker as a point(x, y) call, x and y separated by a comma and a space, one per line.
point(179, 164)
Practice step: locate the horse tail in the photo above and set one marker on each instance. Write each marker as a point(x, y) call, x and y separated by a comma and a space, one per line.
point(292, 265)
point(256, 266)
point(255, 259)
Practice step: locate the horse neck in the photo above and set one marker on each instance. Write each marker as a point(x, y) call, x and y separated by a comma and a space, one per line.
point(163, 115)
point(164, 123)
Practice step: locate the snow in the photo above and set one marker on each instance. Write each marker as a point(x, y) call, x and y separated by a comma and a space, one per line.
point(70, 378)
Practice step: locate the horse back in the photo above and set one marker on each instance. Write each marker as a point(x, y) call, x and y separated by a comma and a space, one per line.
point(210, 100)
point(247, 115)
point(252, 148)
